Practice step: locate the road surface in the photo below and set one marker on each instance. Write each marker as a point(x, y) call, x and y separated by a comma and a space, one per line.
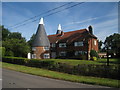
point(13, 79)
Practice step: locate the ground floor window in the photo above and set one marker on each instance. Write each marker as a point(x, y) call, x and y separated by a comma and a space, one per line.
point(46, 55)
point(34, 56)
point(63, 53)
point(80, 53)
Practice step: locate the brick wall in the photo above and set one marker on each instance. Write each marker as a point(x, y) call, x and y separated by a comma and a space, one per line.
point(40, 51)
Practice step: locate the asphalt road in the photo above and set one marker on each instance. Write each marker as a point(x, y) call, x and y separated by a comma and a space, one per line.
point(13, 79)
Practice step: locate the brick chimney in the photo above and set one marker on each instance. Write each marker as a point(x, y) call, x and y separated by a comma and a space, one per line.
point(90, 28)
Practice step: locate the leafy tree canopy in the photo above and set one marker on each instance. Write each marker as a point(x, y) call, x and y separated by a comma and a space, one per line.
point(5, 32)
point(31, 40)
point(14, 43)
point(113, 42)
point(99, 45)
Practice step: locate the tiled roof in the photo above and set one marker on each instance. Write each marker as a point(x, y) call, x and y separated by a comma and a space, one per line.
point(71, 36)
point(41, 38)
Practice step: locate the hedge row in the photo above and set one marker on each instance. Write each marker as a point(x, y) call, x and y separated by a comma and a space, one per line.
point(86, 69)
point(28, 62)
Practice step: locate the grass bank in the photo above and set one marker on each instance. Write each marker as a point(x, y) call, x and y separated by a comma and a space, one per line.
point(62, 76)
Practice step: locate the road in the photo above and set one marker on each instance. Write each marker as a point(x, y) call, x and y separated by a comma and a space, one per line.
point(13, 79)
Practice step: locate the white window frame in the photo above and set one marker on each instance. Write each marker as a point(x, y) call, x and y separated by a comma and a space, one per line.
point(46, 48)
point(62, 44)
point(34, 56)
point(78, 52)
point(62, 53)
point(46, 56)
point(53, 45)
point(78, 43)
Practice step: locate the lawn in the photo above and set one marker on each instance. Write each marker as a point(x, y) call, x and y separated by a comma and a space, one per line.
point(76, 62)
point(63, 76)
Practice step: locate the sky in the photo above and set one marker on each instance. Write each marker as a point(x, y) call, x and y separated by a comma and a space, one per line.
point(103, 16)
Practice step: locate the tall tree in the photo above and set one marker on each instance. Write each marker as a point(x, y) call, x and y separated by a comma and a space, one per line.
point(19, 47)
point(100, 45)
point(113, 42)
point(5, 33)
point(15, 35)
point(31, 40)
point(14, 43)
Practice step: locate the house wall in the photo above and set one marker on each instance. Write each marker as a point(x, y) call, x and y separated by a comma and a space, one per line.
point(40, 51)
point(92, 45)
point(70, 50)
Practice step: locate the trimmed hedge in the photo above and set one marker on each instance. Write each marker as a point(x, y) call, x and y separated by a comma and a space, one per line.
point(28, 62)
point(84, 69)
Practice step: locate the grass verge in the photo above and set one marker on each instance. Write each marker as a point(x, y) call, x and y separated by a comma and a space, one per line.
point(62, 76)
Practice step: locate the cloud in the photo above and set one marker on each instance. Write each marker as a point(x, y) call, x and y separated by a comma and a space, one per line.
point(90, 19)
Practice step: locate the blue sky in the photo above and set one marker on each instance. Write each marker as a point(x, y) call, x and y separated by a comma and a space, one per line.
point(103, 16)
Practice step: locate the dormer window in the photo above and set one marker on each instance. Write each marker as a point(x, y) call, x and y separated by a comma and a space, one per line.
point(46, 48)
point(62, 44)
point(78, 43)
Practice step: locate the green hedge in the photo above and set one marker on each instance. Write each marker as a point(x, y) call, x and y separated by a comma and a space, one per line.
point(28, 62)
point(84, 69)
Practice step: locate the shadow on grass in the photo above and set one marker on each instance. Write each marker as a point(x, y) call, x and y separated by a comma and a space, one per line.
point(111, 61)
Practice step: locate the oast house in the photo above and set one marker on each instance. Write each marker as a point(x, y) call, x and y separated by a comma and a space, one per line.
point(74, 44)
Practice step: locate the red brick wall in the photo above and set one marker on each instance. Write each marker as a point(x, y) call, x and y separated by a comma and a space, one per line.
point(92, 45)
point(40, 52)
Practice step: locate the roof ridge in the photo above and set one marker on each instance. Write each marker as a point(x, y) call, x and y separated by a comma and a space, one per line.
point(70, 32)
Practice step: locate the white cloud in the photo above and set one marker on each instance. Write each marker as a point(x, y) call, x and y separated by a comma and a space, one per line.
point(90, 19)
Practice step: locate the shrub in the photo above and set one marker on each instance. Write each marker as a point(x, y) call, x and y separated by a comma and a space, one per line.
point(2, 51)
point(94, 58)
point(14, 60)
point(9, 53)
point(39, 63)
point(94, 54)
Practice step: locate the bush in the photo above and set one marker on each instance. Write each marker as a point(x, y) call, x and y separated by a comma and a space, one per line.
point(9, 53)
point(94, 58)
point(39, 63)
point(2, 51)
point(13, 60)
point(94, 54)
point(29, 62)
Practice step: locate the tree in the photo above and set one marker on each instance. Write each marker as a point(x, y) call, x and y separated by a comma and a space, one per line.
point(19, 47)
point(5, 33)
point(99, 45)
point(31, 40)
point(2, 51)
point(15, 35)
point(93, 53)
point(14, 43)
point(113, 42)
